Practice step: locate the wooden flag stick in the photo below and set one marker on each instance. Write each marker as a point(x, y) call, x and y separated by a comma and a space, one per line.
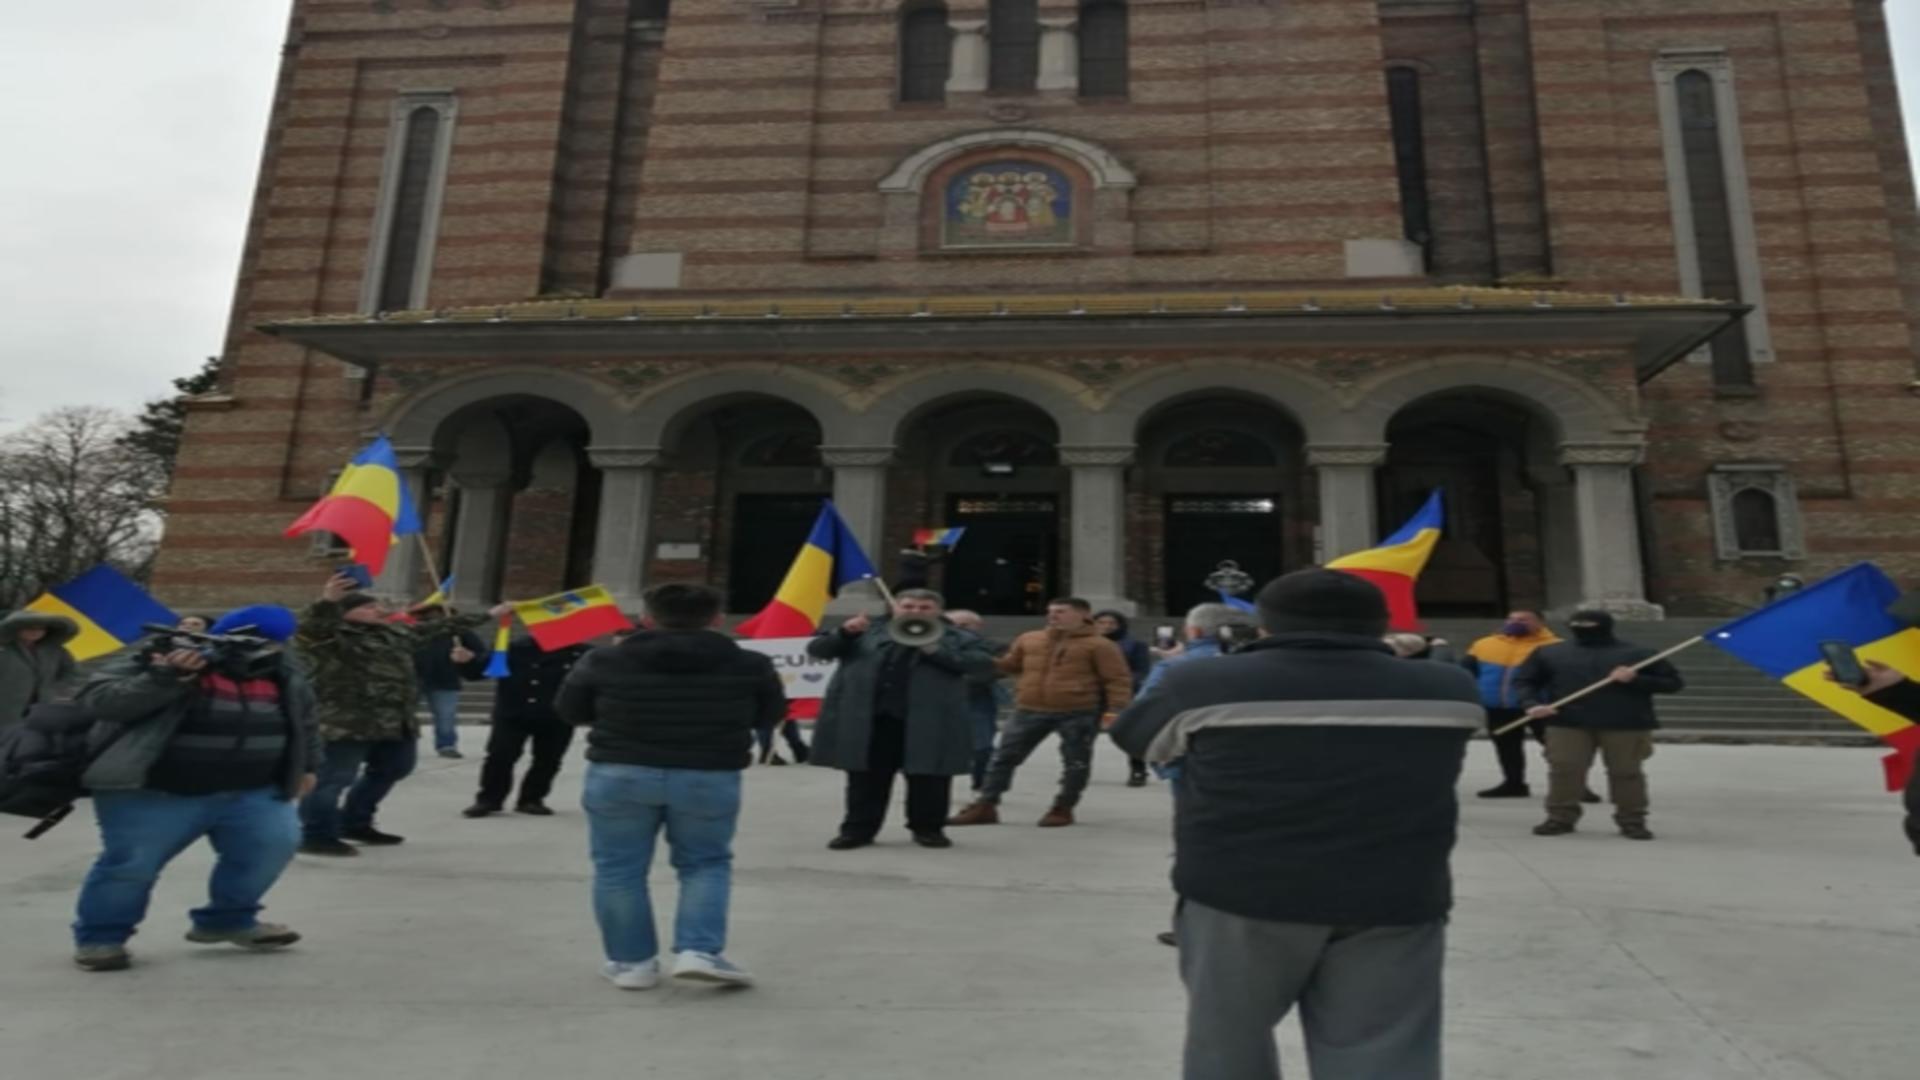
point(1603, 683)
point(433, 572)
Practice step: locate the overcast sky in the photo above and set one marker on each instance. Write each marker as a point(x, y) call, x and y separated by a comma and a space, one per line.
point(133, 132)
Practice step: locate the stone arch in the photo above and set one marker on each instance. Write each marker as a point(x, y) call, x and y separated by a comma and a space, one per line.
point(1105, 170)
point(896, 403)
point(418, 422)
point(658, 417)
point(1311, 404)
point(1575, 411)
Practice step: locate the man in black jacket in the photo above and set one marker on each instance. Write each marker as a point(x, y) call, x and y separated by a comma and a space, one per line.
point(523, 712)
point(671, 714)
point(446, 657)
point(1313, 821)
point(1616, 722)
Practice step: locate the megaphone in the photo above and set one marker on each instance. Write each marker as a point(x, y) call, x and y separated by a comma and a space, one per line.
point(915, 631)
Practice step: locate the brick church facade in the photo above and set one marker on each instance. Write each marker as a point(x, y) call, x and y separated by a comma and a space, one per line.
point(1124, 287)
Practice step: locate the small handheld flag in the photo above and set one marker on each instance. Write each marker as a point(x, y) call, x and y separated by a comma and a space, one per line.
point(1783, 639)
point(830, 559)
point(368, 506)
point(1395, 565)
point(502, 640)
point(1235, 602)
point(441, 595)
point(108, 608)
point(571, 617)
point(946, 538)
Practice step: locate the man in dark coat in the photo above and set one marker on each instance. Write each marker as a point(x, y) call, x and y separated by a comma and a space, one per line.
point(1617, 722)
point(34, 664)
point(1114, 627)
point(897, 709)
point(1314, 818)
point(441, 637)
point(523, 712)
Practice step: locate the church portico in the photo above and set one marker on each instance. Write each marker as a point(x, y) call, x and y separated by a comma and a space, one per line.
point(1161, 440)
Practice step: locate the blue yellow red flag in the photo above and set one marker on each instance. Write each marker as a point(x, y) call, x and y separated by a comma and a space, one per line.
point(502, 641)
point(947, 538)
point(369, 506)
point(1783, 639)
point(1395, 565)
point(108, 608)
point(829, 560)
point(571, 617)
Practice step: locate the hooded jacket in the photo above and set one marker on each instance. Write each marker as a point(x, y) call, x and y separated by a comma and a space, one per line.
point(32, 675)
point(1317, 778)
point(364, 685)
point(1556, 671)
point(1068, 671)
point(1139, 657)
point(1496, 658)
point(673, 699)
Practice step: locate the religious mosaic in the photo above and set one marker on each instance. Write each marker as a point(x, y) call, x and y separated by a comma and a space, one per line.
point(1008, 203)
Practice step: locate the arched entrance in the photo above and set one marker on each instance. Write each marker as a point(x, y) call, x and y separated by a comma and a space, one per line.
point(738, 487)
point(990, 465)
point(1217, 478)
point(1507, 500)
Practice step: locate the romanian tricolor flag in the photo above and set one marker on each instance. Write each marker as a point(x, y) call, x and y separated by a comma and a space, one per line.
point(107, 607)
point(1783, 639)
point(571, 617)
point(1396, 564)
point(502, 641)
point(830, 559)
point(946, 538)
point(368, 507)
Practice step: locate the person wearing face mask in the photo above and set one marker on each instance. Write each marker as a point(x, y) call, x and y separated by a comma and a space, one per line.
point(1616, 722)
point(1494, 660)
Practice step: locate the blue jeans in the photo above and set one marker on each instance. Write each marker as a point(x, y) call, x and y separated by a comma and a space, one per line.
point(445, 707)
point(626, 807)
point(387, 763)
point(253, 833)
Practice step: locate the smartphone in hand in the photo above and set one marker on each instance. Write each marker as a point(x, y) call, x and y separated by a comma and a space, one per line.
point(1163, 637)
point(1844, 663)
point(358, 572)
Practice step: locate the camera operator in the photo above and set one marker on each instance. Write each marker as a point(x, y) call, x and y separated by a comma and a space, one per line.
point(208, 736)
point(1212, 629)
point(1893, 691)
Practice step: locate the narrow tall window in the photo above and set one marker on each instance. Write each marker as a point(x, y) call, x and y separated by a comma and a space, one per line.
point(1719, 268)
point(926, 52)
point(1410, 154)
point(1756, 522)
point(1103, 49)
point(406, 221)
point(1013, 44)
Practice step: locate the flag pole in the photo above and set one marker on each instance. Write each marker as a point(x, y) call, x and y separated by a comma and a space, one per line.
point(433, 571)
point(1604, 683)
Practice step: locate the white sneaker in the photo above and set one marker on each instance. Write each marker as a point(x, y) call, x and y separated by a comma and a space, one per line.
point(709, 968)
point(644, 975)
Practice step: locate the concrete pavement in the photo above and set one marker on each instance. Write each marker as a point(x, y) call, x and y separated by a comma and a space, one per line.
point(1772, 932)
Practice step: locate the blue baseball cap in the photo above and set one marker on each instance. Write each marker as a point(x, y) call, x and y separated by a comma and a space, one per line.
point(270, 621)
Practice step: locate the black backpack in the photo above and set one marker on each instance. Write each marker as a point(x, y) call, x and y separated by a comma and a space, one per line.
point(41, 762)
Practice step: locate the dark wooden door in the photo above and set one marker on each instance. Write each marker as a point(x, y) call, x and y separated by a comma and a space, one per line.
point(1204, 530)
point(1009, 560)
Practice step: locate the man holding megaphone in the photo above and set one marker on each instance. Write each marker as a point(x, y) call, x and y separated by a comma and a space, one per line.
point(898, 704)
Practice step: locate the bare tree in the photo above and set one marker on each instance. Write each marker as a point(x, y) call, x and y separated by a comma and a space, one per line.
point(73, 494)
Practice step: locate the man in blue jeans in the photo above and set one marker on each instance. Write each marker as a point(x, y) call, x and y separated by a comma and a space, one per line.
point(671, 713)
point(448, 654)
point(196, 741)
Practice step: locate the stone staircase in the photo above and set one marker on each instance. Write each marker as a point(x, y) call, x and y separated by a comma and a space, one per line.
point(1725, 700)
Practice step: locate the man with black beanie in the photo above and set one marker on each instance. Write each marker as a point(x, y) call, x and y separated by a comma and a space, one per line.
point(1617, 723)
point(1313, 822)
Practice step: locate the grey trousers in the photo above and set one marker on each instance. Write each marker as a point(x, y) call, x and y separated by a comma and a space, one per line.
point(1369, 997)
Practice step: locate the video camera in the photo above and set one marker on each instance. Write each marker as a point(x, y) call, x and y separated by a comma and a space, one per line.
point(237, 656)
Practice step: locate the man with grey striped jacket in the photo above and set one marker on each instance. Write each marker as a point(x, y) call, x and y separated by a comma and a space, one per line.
point(1314, 823)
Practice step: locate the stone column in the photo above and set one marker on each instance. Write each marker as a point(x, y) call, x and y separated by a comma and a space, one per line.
point(860, 494)
point(620, 538)
point(1607, 517)
point(1348, 507)
point(480, 537)
point(1098, 520)
point(967, 71)
point(404, 577)
point(1059, 55)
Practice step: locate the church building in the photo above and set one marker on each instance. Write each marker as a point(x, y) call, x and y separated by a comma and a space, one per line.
point(1124, 288)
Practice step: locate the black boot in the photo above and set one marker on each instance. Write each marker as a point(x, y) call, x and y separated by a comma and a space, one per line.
point(1508, 790)
point(367, 834)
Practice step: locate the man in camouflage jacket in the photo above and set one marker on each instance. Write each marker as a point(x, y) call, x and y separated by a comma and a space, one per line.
point(362, 668)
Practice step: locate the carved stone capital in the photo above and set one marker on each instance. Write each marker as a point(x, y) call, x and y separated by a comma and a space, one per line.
point(1113, 454)
point(1625, 454)
point(1357, 454)
point(623, 457)
point(848, 457)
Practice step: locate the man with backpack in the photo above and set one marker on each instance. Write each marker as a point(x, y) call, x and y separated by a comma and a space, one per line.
point(196, 741)
point(35, 666)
